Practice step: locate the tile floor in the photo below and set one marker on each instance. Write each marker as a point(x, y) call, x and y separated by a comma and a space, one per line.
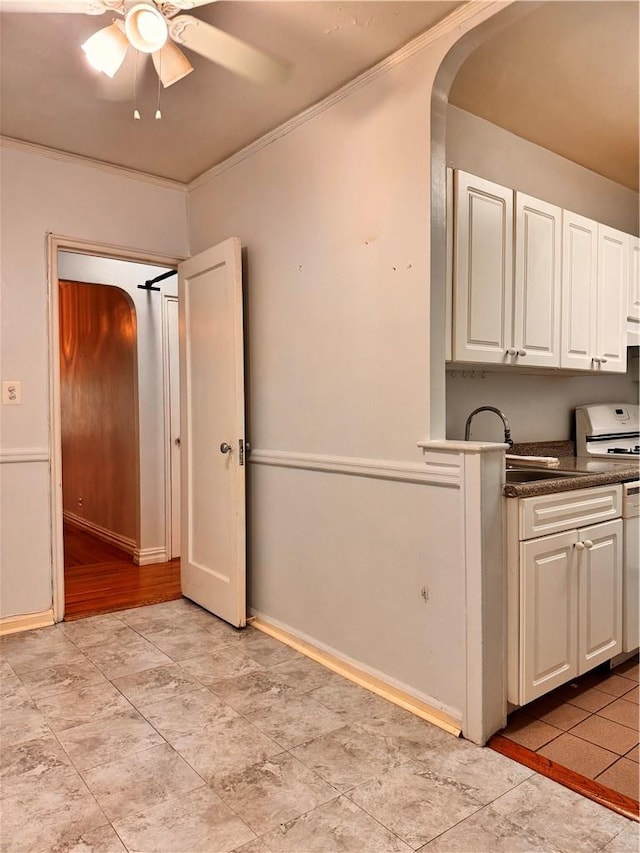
point(590, 726)
point(163, 729)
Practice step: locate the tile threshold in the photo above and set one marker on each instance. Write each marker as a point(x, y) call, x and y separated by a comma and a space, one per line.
point(589, 788)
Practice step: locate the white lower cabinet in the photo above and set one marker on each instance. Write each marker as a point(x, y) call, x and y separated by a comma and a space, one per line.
point(549, 611)
point(565, 602)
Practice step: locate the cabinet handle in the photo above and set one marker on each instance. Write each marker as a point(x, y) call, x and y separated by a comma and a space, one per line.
point(522, 352)
point(579, 546)
point(512, 351)
point(602, 360)
point(596, 360)
point(588, 544)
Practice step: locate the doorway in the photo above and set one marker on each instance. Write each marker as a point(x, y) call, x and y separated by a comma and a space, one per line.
point(114, 543)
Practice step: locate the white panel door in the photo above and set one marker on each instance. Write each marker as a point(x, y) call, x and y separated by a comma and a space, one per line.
point(538, 265)
point(579, 285)
point(611, 311)
point(213, 565)
point(600, 593)
point(549, 608)
point(483, 270)
point(633, 310)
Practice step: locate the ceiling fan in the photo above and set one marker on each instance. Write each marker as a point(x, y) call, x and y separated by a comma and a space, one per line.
point(155, 27)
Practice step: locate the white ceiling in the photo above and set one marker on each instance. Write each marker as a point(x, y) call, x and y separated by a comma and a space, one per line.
point(564, 76)
point(51, 97)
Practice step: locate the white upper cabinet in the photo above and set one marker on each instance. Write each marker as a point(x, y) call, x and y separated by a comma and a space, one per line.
point(483, 270)
point(633, 311)
point(594, 295)
point(538, 265)
point(579, 283)
point(611, 305)
point(538, 286)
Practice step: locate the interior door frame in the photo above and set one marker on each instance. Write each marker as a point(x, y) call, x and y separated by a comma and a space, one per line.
point(169, 508)
point(57, 243)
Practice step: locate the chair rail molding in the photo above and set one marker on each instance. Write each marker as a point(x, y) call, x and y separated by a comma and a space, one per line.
point(23, 454)
point(435, 473)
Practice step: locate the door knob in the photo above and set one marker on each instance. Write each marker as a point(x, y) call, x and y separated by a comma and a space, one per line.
point(522, 352)
point(579, 546)
point(225, 448)
point(512, 351)
point(588, 544)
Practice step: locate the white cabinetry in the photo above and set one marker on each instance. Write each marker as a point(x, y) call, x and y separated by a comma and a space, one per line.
point(537, 286)
point(505, 313)
point(611, 301)
point(483, 270)
point(538, 264)
point(594, 295)
point(633, 309)
point(579, 282)
point(565, 589)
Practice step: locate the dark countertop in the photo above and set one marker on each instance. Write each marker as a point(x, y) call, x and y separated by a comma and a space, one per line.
point(599, 472)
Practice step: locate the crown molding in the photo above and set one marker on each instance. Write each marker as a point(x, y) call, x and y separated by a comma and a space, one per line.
point(10, 143)
point(455, 20)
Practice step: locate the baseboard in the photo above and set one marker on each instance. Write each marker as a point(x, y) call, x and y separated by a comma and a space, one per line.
point(359, 676)
point(149, 556)
point(116, 539)
point(28, 622)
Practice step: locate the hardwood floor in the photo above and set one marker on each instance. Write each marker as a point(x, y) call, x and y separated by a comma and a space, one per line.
point(101, 579)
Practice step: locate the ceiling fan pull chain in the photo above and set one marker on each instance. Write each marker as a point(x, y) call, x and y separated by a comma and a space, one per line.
point(136, 112)
point(158, 113)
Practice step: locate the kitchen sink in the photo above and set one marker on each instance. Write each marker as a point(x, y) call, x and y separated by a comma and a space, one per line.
point(530, 475)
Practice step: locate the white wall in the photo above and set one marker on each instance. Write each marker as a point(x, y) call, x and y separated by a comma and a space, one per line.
point(488, 151)
point(40, 195)
point(148, 307)
point(335, 217)
point(540, 408)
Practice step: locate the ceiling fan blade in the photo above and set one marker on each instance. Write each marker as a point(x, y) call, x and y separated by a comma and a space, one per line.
point(171, 64)
point(227, 50)
point(86, 7)
point(172, 7)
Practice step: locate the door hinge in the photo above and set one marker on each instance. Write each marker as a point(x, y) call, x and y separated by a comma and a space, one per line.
point(241, 453)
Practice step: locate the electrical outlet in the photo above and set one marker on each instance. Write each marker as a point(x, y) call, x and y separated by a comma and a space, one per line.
point(12, 393)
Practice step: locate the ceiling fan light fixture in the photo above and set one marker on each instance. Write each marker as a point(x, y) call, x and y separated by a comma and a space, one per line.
point(171, 64)
point(106, 49)
point(146, 27)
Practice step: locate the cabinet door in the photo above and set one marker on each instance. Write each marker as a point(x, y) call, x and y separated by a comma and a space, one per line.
point(537, 282)
point(633, 311)
point(600, 593)
point(611, 305)
point(549, 608)
point(579, 285)
point(483, 270)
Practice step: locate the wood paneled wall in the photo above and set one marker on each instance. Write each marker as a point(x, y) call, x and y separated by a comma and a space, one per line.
point(98, 387)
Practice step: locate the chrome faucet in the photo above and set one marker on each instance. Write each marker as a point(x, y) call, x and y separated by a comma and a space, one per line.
point(507, 429)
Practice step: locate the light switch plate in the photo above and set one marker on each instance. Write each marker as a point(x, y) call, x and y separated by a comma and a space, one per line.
point(12, 393)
